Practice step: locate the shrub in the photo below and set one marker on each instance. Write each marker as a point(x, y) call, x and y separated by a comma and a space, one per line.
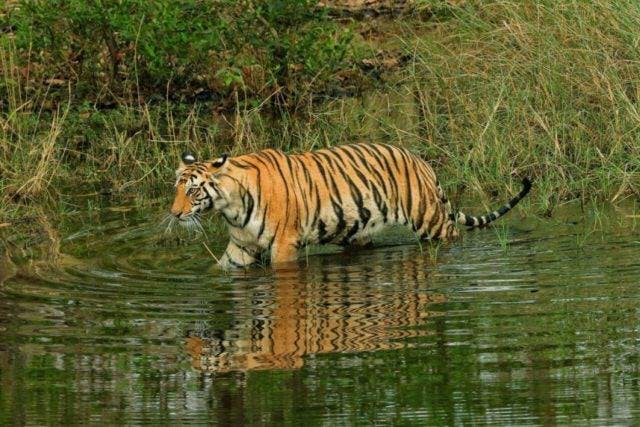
point(118, 49)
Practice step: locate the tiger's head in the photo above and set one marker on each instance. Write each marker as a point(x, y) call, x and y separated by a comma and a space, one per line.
point(198, 188)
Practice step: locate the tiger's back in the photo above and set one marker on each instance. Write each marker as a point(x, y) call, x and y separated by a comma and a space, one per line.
point(345, 194)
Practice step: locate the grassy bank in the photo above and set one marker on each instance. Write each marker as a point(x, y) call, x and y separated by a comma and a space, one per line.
point(490, 91)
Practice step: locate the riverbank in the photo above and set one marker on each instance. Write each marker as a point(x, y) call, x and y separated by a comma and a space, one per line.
point(486, 91)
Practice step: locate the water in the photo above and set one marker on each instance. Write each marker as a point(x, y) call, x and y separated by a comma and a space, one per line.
point(533, 322)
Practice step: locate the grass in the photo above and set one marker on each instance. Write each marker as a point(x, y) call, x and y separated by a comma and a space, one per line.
point(433, 248)
point(494, 91)
point(502, 235)
point(545, 89)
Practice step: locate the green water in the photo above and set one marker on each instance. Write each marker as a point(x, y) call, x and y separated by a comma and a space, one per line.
point(535, 321)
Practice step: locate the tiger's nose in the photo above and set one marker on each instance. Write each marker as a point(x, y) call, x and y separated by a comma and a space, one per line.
point(176, 212)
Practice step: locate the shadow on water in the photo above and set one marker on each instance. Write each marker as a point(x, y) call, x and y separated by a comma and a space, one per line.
point(533, 322)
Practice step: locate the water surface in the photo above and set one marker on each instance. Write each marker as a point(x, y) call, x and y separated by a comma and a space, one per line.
point(534, 321)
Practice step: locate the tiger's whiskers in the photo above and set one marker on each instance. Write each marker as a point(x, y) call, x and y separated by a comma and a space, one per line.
point(170, 220)
point(200, 227)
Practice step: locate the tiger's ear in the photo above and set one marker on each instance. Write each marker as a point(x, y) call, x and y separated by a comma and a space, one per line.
point(187, 158)
point(219, 162)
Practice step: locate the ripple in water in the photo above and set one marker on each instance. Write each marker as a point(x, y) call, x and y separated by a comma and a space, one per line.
point(132, 325)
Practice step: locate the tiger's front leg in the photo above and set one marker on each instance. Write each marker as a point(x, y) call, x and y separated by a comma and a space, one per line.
point(283, 251)
point(238, 256)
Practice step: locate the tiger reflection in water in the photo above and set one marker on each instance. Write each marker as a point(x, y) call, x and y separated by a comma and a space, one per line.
point(377, 303)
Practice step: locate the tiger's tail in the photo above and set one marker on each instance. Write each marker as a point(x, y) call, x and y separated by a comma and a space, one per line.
point(479, 221)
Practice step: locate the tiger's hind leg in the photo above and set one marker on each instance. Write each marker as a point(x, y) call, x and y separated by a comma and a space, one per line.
point(437, 227)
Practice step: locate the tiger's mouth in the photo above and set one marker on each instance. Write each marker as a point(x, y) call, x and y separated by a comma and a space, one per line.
point(190, 221)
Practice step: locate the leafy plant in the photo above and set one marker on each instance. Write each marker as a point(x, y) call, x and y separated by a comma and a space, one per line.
point(117, 49)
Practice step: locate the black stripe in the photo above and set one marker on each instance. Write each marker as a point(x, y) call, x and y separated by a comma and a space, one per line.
point(392, 152)
point(305, 171)
point(339, 227)
point(343, 149)
point(249, 210)
point(276, 163)
point(234, 263)
point(322, 171)
point(322, 230)
point(232, 178)
point(376, 157)
point(273, 238)
point(382, 206)
point(363, 212)
point(422, 208)
point(437, 231)
point(358, 153)
point(486, 219)
point(366, 181)
point(316, 213)
point(242, 248)
point(391, 177)
point(356, 194)
point(423, 195)
point(470, 220)
point(341, 222)
point(363, 160)
point(258, 157)
point(240, 165)
point(264, 221)
point(504, 209)
point(335, 188)
point(334, 154)
point(432, 223)
point(352, 231)
point(297, 189)
point(408, 185)
point(262, 226)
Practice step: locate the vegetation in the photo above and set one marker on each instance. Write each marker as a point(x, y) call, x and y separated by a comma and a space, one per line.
point(98, 99)
point(136, 50)
point(104, 95)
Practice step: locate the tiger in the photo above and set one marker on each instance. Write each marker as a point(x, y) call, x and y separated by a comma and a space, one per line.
point(278, 203)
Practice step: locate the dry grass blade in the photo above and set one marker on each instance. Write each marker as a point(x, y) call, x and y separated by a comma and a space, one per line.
point(211, 253)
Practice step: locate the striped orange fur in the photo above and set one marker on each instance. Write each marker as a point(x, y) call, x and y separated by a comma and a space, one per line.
point(343, 195)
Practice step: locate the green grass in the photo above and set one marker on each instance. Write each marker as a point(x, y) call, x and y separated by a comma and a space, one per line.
point(502, 236)
point(547, 89)
point(495, 91)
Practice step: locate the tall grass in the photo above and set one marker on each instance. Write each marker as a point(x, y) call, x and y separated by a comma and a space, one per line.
point(29, 143)
point(495, 90)
point(544, 88)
